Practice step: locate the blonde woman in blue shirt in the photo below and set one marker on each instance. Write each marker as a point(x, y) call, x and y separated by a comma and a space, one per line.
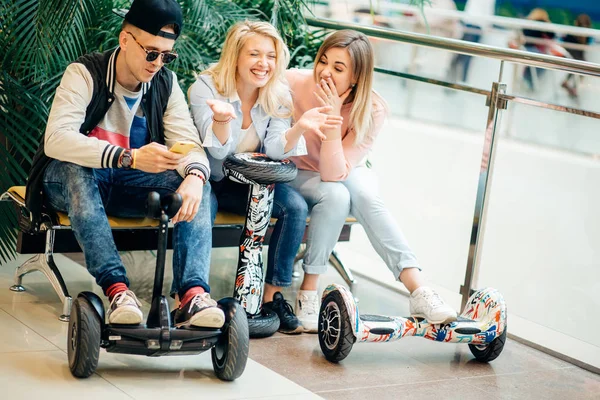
point(243, 104)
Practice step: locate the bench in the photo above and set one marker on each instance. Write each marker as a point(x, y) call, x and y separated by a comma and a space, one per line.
point(130, 234)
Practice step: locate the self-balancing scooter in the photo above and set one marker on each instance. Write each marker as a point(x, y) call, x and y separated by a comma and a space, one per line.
point(88, 330)
point(261, 173)
point(482, 325)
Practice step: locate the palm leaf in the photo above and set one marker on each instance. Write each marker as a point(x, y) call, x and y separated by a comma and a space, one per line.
point(39, 38)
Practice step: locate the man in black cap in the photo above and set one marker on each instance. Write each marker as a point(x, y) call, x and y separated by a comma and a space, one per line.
point(113, 118)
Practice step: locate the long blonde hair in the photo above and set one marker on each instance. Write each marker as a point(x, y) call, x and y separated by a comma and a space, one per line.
point(275, 93)
point(362, 61)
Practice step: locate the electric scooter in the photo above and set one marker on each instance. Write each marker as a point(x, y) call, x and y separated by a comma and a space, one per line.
point(88, 331)
point(261, 173)
point(482, 325)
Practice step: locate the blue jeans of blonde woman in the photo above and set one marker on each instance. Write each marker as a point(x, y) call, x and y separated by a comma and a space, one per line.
point(331, 202)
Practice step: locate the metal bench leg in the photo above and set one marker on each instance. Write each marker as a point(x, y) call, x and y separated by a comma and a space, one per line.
point(45, 264)
point(341, 269)
point(299, 257)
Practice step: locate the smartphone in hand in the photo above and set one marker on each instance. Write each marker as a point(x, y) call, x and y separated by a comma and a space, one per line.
point(182, 147)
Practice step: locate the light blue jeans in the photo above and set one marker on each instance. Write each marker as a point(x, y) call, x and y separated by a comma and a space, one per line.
point(331, 202)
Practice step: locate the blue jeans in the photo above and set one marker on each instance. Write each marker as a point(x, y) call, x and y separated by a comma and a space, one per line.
point(289, 208)
point(463, 61)
point(527, 72)
point(88, 195)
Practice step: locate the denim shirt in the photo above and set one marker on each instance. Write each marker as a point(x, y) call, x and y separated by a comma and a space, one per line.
point(270, 130)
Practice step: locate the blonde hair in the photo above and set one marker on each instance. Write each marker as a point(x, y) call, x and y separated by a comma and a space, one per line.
point(275, 94)
point(539, 14)
point(362, 63)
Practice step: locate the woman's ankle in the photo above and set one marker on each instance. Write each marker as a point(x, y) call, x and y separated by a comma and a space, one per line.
point(310, 282)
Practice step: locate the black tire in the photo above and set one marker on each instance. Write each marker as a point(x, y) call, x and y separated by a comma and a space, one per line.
point(335, 329)
point(230, 354)
point(83, 345)
point(261, 169)
point(263, 325)
point(491, 351)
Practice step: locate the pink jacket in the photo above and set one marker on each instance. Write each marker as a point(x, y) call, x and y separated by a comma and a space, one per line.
point(334, 159)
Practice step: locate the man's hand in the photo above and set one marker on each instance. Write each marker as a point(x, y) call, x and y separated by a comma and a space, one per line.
point(156, 158)
point(191, 193)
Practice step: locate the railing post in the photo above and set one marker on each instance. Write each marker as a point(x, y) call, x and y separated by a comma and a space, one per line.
point(495, 104)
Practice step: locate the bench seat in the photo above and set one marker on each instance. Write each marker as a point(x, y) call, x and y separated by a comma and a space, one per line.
point(222, 219)
point(130, 234)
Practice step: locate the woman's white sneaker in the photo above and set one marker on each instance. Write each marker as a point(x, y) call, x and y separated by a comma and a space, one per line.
point(307, 309)
point(426, 303)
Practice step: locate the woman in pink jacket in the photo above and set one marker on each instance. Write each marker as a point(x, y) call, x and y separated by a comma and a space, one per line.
point(335, 181)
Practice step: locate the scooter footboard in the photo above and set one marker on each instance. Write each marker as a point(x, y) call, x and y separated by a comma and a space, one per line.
point(488, 307)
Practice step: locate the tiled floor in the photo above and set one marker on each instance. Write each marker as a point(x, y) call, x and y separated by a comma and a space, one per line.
point(33, 356)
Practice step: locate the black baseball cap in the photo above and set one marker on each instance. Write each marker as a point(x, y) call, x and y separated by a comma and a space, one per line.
point(152, 15)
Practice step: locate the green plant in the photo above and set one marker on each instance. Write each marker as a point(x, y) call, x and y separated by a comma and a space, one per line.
point(39, 38)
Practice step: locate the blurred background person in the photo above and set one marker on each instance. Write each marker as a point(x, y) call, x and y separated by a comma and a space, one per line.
point(583, 21)
point(472, 32)
point(535, 41)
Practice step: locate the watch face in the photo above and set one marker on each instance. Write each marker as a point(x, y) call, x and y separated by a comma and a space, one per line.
point(127, 159)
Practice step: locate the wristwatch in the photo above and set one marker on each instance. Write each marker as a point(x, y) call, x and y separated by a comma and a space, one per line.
point(126, 159)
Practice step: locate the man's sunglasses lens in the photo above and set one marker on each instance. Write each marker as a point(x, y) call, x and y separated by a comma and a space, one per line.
point(152, 56)
point(167, 57)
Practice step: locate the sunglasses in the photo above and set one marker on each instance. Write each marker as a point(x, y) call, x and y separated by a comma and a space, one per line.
point(151, 55)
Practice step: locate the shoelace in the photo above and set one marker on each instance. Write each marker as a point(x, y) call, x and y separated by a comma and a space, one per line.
point(202, 300)
point(285, 305)
point(308, 305)
point(121, 297)
point(433, 299)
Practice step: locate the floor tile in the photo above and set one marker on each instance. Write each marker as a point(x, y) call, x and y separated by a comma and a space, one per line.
point(42, 319)
point(456, 360)
point(300, 359)
point(17, 337)
point(178, 377)
point(46, 375)
point(567, 383)
point(451, 390)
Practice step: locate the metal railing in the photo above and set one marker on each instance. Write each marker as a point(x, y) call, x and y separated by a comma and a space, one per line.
point(497, 100)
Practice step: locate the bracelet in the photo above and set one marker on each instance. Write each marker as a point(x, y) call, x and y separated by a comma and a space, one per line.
point(216, 121)
point(133, 156)
point(198, 174)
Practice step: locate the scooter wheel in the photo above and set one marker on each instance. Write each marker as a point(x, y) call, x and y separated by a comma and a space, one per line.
point(263, 325)
point(230, 354)
point(335, 329)
point(83, 345)
point(489, 352)
point(259, 168)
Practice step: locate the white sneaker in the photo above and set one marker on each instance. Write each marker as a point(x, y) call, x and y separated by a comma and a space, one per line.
point(125, 309)
point(426, 303)
point(307, 309)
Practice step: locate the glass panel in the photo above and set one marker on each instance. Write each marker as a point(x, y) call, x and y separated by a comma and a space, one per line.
point(541, 239)
point(428, 176)
point(550, 128)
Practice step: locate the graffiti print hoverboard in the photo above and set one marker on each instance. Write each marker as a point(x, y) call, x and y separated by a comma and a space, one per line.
point(482, 325)
point(261, 173)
